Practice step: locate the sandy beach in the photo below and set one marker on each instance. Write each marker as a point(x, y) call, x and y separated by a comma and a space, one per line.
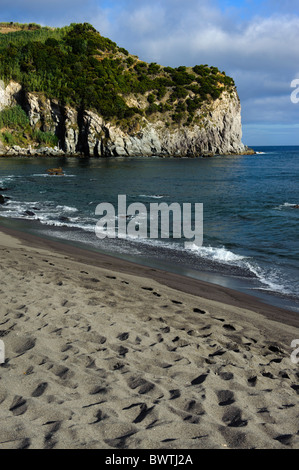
point(104, 354)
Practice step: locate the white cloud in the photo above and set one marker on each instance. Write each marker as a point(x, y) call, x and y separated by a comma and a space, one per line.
point(261, 54)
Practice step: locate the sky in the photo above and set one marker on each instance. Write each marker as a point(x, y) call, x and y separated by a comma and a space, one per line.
point(255, 42)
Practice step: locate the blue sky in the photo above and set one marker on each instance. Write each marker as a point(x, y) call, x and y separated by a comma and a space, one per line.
point(255, 42)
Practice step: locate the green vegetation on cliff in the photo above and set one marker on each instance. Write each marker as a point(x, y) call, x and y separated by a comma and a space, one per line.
point(79, 67)
point(16, 129)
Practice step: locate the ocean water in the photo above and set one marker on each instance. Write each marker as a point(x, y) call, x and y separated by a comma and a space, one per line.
point(250, 224)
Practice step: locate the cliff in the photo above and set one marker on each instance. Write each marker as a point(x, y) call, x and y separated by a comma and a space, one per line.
point(87, 133)
point(155, 111)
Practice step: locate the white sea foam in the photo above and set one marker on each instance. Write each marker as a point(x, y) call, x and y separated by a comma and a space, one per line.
point(270, 280)
point(67, 224)
point(286, 205)
point(7, 179)
point(45, 175)
point(221, 254)
point(67, 209)
point(151, 196)
point(49, 214)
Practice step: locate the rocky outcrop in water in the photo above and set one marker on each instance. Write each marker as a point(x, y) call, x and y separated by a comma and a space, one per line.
point(217, 129)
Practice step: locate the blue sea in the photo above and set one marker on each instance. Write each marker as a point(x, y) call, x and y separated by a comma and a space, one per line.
point(250, 224)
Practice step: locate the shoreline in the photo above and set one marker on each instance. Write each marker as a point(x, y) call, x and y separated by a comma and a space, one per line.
point(102, 353)
point(175, 281)
point(257, 276)
point(56, 152)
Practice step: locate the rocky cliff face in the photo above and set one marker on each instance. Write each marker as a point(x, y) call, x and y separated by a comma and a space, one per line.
point(216, 130)
point(9, 94)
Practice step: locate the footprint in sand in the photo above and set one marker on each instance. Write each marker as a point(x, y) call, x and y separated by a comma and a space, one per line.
point(143, 385)
point(229, 327)
point(226, 375)
point(18, 406)
point(285, 439)
point(199, 380)
point(233, 418)
point(225, 397)
point(100, 416)
point(252, 381)
point(175, 393)
point(145, 411)
point(22, 345)
point(98, 389)
point(123, 336)
point(40, 389)
point(198, 310)
point(122, 351)
point(166, 329)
